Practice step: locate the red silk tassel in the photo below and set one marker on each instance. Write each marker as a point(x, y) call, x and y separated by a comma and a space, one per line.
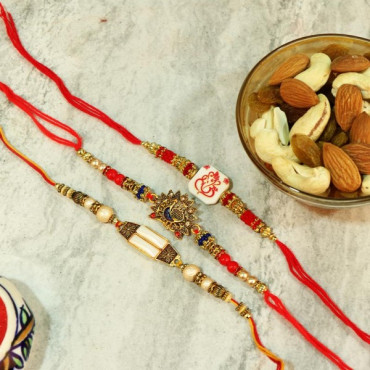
point(250, 219)
point(73, 100)
point(275, 303)
point(299, 273)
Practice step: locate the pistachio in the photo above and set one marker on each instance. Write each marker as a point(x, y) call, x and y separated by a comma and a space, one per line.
point(310, 180)
point(314, 121)
point(318, 72)
point(268, 146)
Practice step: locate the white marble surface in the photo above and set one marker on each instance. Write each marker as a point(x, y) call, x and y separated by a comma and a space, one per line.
point(170, 71)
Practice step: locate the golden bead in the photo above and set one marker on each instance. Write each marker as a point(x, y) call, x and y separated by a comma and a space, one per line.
point(252, 280)
point(242, 274)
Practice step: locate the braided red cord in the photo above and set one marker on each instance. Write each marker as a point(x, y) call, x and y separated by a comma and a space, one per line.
point(33, 112)
point(73, 100)
point(275, 303)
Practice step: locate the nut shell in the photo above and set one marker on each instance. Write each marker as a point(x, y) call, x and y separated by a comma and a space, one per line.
point(344, 173)
point(348, 105)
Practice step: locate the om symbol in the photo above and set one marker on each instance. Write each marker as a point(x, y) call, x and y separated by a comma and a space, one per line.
point(207, 184)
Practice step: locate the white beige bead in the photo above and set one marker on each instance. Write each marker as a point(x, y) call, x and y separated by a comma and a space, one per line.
point(206, 283)
point(89, 202)
point(228, 297)
point(104, 213)
point(190, 272)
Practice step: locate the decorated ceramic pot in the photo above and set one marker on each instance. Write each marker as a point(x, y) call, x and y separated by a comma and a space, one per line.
point(16, 327)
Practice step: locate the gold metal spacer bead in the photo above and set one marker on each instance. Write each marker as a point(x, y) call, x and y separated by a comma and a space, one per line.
point(243, 310)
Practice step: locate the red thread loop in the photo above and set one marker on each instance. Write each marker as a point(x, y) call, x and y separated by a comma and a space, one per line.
point(73, 100)
point(275, 303)
point(299, 273)
point(33, 113)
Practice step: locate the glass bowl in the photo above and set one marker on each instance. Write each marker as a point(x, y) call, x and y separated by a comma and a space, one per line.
point(259, 76)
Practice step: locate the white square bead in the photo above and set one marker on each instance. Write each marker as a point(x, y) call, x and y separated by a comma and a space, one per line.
point(208, 184)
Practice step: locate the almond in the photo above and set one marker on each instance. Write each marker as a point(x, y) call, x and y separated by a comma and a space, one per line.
point(360, 130)
point(350, 63)
point(348, 105)
point(290, 68)
point(360, 154)
point(344, 173)
point(297, 94)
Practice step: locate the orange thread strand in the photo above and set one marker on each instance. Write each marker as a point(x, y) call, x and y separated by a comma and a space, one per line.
point(31, 163)
point(277, 360)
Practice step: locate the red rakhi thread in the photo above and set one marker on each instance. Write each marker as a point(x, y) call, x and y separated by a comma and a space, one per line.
point(247, 217)
point(298, 272)
point(275, 303)
point(250, 219)
point(73, 100)
point(223, 258)
point(277, 360)
point(33, 112)
point(32, 164)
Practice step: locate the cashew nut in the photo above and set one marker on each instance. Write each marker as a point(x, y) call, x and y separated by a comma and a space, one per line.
point(258, 125)
point(365, 188)
point(313, 122)
point(361, 80)
point(310, 180)
point(268, 146)
point(316, 75)
point(269, 117)
point(366, 107)
point(366, 72)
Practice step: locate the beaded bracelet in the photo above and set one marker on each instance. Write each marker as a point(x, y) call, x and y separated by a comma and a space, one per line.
point(154, 246)
point(210, 193)
point(176, 213)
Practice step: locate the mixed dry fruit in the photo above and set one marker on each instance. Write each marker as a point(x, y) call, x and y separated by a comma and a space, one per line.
point(313, 128)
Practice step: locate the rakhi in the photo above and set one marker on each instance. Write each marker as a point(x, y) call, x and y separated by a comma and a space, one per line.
point(156, 247)
point(17, 326)
point(205, 183)
point(175, 211)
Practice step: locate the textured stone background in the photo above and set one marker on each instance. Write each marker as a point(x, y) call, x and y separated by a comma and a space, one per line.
point(170, 71)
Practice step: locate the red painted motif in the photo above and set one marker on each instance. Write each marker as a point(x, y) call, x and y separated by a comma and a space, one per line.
point(3, 321)
point(207, 184)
